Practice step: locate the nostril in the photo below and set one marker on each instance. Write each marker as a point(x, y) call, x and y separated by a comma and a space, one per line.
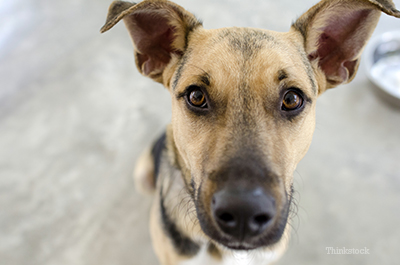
point(258, 223)
point(227, 219)
point(261, 219)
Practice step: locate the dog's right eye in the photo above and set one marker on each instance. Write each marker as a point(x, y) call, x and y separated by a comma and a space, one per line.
point(197, 98)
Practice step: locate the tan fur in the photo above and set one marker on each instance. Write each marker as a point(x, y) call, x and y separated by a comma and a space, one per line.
point(244, 68)
point(144, 173)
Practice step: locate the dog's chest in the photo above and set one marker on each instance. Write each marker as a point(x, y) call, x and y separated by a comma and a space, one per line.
point(232, 258)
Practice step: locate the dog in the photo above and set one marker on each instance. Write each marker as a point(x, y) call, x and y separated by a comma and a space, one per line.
point(243, 116)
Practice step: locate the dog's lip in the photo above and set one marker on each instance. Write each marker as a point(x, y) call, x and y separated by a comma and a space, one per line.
point(233, 244)
point(239, 247)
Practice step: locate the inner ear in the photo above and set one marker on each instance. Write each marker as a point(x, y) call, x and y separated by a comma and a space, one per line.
point(153, 38)
point(340, 43)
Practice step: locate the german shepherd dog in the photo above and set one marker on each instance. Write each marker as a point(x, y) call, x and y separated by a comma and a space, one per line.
point(243, 116)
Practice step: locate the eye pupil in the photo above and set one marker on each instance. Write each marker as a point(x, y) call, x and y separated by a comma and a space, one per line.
point(292, 101)
point(197, 98)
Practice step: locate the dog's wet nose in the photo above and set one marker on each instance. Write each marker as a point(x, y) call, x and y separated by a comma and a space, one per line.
point(243, 213)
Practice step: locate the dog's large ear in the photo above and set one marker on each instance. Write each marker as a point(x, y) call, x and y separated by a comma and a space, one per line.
point(158, 29)
point(335, 33)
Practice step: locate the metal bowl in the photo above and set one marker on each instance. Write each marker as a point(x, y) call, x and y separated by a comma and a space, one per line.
point(382, 59)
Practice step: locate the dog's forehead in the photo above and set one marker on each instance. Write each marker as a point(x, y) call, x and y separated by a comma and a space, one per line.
point(243, 42)
point(259, 57)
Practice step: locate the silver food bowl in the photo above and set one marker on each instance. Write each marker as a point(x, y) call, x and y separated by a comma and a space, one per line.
point(382, 58)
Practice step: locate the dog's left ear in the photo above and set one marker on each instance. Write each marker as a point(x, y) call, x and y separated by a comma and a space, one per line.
point(159, 31)
point(335, 33)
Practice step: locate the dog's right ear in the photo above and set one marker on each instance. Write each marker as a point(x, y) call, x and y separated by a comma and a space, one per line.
point(159, 31)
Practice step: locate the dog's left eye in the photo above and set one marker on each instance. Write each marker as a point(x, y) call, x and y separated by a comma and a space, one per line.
point(197, 98)
point(292, 100)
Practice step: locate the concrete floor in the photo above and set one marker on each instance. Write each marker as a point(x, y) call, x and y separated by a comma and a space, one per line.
point(75, 114)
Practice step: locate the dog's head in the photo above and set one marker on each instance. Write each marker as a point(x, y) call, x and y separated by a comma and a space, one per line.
point(243, 103)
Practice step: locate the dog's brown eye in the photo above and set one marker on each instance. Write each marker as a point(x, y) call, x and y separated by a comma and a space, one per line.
point(197, 98)
point(292, 101)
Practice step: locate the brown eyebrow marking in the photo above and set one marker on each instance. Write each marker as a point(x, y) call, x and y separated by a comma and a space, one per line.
point(205, 79)
point(282, 75)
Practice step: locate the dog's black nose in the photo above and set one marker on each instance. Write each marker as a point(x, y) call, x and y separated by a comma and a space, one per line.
point(243, 213)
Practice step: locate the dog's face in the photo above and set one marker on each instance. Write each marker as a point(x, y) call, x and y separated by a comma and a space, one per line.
point(247, 100)
point(243, 103)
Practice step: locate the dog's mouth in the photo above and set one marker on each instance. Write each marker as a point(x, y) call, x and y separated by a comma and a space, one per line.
point(246, 241)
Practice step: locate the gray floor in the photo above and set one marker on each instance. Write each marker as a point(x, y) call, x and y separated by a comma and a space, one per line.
point(75, 114)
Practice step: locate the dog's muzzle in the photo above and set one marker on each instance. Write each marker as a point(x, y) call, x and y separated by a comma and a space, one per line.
point(244, 205)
